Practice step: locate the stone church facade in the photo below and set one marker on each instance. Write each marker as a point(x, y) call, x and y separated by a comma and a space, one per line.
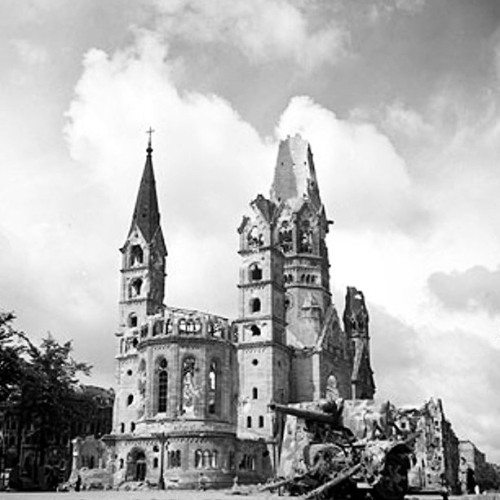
point(193, 388)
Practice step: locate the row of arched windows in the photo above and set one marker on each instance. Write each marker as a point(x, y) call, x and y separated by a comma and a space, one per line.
point(189, 326)
point(206, 459)
point(304, 278)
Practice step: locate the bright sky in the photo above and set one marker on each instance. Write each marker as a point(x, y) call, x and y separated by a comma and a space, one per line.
point(400, 100)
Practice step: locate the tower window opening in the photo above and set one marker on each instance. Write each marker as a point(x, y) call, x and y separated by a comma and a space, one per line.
point(249, 422)
point(254, 237)
point(132, 320)
point(255, 330)
point(132, 426)
point(255, 272)
point(305, 237)
point(285, 237)
point(122, 428)
point(255, 362)
point(136, 255)
point(261, 421)
point(155, 463)
point(135, 287)
point(255, 305)
point(130, 399)
point(255, 393)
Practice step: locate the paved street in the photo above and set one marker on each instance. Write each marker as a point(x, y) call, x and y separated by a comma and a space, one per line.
point(137, 495)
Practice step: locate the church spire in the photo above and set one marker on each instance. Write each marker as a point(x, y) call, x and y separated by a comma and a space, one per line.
point(146, 212)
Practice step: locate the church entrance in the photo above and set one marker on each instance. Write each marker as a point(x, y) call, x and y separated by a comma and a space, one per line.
point(136, 465)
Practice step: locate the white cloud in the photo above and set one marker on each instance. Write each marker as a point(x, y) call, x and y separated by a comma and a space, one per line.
point(363, 179)
point(263, 30)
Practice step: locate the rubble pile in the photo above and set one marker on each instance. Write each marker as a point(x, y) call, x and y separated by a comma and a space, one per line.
point(349, 449)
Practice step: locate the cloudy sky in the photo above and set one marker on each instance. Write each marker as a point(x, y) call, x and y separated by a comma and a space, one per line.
point(400, 100)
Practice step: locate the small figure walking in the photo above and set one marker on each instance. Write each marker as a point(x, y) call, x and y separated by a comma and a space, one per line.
point(202, 482)
point(78, 483)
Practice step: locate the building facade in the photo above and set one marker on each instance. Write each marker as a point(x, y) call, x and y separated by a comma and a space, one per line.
point(193, 388)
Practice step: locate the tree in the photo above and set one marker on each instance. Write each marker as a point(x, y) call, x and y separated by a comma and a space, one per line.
point(12, 363)
point(39, 386)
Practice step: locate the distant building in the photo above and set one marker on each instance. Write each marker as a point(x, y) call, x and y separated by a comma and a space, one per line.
point(436, 462)
point(20, 463)
point(193, 388)
point(475, 470)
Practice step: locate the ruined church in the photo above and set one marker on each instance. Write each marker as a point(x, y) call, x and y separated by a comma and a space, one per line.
point(193, 389)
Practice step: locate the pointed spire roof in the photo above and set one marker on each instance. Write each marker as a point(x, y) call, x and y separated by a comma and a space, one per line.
point(295, 176)
point(146, 212)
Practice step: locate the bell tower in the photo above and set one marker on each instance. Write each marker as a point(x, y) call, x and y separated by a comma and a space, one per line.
point(264, 359)
point(143, 254)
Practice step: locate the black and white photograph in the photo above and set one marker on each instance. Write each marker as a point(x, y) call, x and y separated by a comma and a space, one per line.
point(249, 248)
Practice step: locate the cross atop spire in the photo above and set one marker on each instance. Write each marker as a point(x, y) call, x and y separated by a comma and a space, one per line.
point(146, 212)
point(150, 132)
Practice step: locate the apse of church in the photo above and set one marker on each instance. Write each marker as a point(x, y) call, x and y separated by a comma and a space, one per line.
point(193, 389)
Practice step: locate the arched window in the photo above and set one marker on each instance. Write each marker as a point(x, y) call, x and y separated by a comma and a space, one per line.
point(198, 458)
point(207, 459)
point(210, 329)
point(182, 325)
point(213, 388)
point(197, 326)
point(255, 393)
point(255, 330)
point(215, 459)
point(132, 320)
point(254, 238)
point(174, 458)
point(162, 385)
point(135, 288)
point(157, 328)
point(255, 272)
point(305, 237)
point(136, 255)
point(189, 391)
point(168, 326)
point(285, 237)
point(130, 399)
point(255, 305)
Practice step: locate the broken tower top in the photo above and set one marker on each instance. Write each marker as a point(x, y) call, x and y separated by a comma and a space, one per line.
point(295, 176)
